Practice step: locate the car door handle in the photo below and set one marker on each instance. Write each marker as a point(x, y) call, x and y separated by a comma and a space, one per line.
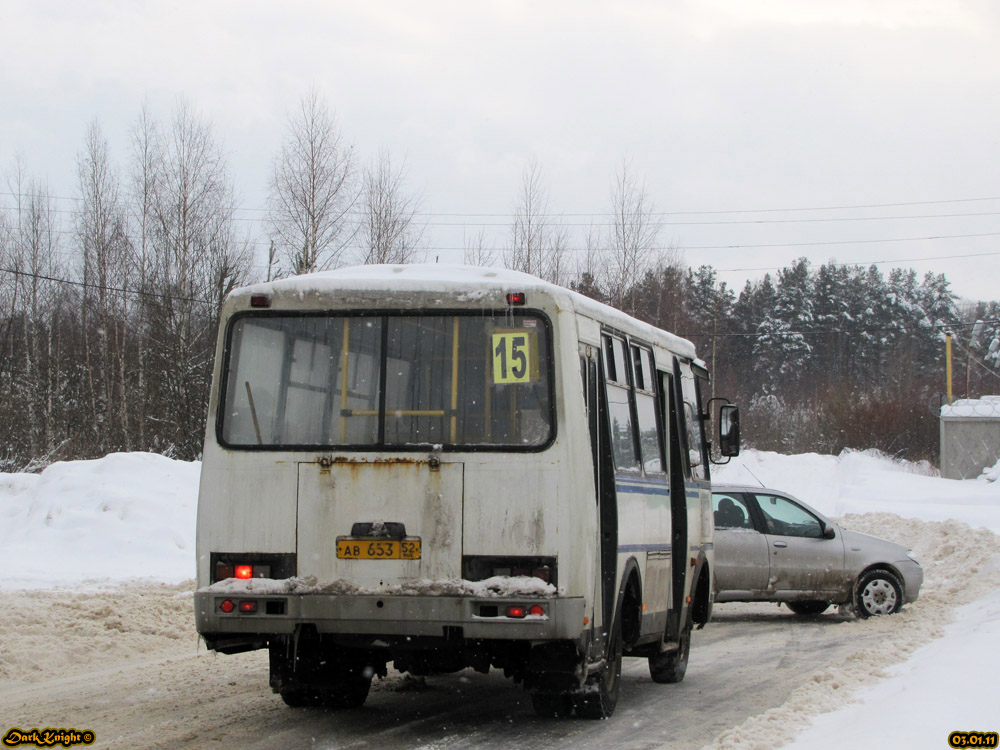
point(781, 544)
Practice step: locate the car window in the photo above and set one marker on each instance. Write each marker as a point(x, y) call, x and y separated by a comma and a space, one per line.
point(785, 518)
point(730, 511)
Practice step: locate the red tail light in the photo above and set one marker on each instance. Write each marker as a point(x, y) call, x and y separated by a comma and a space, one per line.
point(536, 610)
point(244, 572)
point(516, 610)
point(248, 606)
point(227, 606)
point(516, 298)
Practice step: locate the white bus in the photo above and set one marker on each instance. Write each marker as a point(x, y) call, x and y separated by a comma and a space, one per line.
point(452, 467)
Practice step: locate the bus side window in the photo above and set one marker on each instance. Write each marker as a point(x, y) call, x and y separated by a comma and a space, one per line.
point(646, 406)
point(693, 427)
point(623, 441)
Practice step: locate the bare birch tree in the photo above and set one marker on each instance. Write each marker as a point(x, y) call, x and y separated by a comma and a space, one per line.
point(199, 258)
point(476, 252)
point(146, 155)
point(632, 236)
point(388, 232)
point(537, 242)
point(34, 252)
point(102, 236)
point(311, 190)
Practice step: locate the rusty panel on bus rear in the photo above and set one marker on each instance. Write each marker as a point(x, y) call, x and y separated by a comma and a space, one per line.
point(424, 496)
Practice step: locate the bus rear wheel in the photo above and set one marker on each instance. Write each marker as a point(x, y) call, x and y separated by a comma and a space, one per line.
point(599, 696)
point(670, 666)
point(314, 675)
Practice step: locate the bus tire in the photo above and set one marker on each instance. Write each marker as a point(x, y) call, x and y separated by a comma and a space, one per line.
point(599, 696)
point(669, 667)
point(348, 690)
point(301, 697)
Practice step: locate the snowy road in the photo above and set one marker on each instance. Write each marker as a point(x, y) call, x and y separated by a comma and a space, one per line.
point(122, 658)
point(149, 684)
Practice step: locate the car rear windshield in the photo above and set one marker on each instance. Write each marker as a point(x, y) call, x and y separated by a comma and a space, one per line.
point(377, 381)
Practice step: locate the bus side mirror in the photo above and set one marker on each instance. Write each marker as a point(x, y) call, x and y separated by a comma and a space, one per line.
point(729, 430)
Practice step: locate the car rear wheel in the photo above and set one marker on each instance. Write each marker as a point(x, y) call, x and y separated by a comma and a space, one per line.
point(808, 608)
point(878, 592)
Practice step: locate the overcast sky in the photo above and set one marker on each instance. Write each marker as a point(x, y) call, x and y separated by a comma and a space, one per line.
point(728, 110)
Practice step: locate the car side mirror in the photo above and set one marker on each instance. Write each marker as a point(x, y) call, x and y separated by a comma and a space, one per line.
point(729, 430)
point(828, 531)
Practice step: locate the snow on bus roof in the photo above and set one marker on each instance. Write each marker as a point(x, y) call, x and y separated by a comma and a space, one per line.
point(467, 282)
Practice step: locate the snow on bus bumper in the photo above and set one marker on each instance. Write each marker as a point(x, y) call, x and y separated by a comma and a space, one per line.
point(560, 618)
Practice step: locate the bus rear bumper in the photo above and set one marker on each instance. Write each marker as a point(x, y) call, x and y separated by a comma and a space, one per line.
point(452, 617)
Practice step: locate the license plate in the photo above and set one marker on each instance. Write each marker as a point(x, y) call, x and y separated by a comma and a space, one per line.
point(370, 549)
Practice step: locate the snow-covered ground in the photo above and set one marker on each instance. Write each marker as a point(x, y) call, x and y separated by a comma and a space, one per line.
point(127, 516)
point(948, 684)
point(124, 516)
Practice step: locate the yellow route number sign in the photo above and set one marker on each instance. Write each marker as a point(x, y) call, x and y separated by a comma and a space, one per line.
point(512, 356)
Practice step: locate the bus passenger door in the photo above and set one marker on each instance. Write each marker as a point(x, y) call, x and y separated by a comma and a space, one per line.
point(604, 482)
point(678, 500)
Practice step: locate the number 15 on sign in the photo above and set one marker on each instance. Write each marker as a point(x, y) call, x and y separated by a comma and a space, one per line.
point(511, 358)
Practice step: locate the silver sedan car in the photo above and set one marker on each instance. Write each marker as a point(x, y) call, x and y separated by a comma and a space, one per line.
point(771, 547)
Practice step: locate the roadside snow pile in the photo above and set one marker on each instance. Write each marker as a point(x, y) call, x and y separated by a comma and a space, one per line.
point(868, 482)
point(127, 515)
point(992, 474)
point(47, 632)
point(931, 687)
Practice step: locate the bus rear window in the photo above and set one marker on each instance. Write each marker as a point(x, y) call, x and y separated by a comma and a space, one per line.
point(386, 381)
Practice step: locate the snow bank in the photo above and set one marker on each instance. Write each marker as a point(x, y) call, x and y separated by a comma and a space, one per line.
point(47, 632)
point(127, 515)
point(931, 689)
point(868, 482)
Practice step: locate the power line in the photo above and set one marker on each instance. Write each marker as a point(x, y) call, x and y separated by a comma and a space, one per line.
point(101, 287)
point(974, 359)
point(709, 212)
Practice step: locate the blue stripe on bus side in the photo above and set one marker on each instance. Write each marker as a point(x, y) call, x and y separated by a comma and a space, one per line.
point(644, 548)
point(650, 487)
point(660, 547)
point(643, 489)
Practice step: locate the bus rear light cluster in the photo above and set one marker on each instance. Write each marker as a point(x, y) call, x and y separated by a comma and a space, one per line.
point(522, 610)
point(243, 572)
point(244, 565)
point(513, 611)
point(252, 606)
